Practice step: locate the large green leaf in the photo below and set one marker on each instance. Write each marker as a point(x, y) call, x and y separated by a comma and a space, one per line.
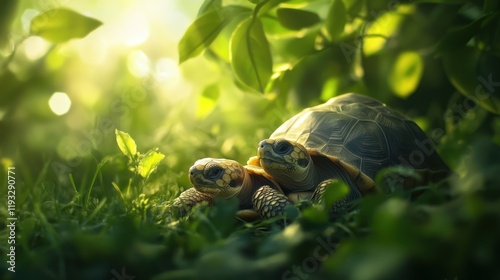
point(475, 74)
point(203, 31)
point(126, 144)
point(250, 55)
point(458, 37)
point(296, 19)
point(60, 25)
point(336, 20)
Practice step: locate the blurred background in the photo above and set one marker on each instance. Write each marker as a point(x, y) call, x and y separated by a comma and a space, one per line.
point(62, 102)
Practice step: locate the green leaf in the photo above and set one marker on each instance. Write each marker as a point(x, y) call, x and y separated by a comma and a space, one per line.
point(460, 66)
point(292, 212)
point(209, 5)
point(61, 25)
point(266, 6)
point(203, 31)
point(296, 19)
point(336, 20)
point(354, 7)
point(406, 73)
point(126, 144)
point(149, 162)
point(458, 37)
point(474, 74)
point(8, 10)
point(207, 101)
point(384, 26)
point(391, 179)
point(490, 5)
point(315, 215)
point(250, 55)
point(334, 192)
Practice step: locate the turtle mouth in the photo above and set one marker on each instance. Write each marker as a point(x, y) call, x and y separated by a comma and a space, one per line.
point(274, 163)
point(209, 190)
point(269, 156)
point(271, 160)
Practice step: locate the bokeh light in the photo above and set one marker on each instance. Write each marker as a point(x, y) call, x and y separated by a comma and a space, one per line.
point(35, 47)
point(138, 64)
point(60, 103)
point(135, 29)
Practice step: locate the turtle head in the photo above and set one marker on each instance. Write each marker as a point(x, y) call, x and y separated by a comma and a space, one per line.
point(218, 177)
point(287, 161)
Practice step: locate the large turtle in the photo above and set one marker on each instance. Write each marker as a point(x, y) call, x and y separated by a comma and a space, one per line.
point(356, 129)
point(257, 192)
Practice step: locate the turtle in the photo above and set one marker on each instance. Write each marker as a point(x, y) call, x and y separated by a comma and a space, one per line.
point(259, 195)
point(353, 129)
point(225, 178)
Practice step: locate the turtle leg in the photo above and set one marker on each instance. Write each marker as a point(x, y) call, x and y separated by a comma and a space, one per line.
point(338, 207)
point(269, 202)
point(183, 204)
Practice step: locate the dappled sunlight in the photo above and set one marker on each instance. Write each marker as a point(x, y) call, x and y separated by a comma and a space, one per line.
point(94, 51)
point(167, 72)
point(134, 29)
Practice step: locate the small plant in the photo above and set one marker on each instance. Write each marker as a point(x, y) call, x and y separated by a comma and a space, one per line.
point(142, 165)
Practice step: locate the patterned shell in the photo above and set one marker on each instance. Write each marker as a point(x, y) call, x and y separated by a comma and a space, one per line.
point(363, 132)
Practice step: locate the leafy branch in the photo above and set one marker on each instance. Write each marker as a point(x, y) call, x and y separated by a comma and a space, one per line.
point(350, 33)
point(52, 25)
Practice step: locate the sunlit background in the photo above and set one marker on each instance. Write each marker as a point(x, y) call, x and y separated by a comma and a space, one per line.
point(62, 102)
point(123, 75)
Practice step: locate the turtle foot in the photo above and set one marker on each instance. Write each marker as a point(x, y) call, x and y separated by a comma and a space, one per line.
point(338, 207)
point(269, 202)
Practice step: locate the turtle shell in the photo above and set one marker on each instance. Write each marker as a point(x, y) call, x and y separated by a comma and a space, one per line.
point(364, 133)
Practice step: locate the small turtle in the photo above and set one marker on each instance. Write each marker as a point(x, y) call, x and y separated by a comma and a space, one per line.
point(357, 130)
point(258, 193)
point(224, 178)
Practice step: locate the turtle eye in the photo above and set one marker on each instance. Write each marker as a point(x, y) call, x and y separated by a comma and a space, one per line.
point(283, 147)
point(214, 172)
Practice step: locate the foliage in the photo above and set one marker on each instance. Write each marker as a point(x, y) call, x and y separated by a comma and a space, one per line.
point(89, 205)
point(344, 41)
point(52, 25)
